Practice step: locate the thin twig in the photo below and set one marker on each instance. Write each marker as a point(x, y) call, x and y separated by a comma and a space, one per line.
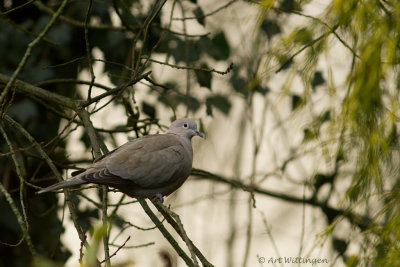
point(51, 165)
point(193, 68)
point(122, 19)
point(215, 11)
point(362, 222)
point(187, 62)
point(17, 7)
point(30, 47)
point(19, 170)
point(115, 253)
point(137, 246)
point(311, 43)
point(174, 221)
point(271, 237)
point(144, 31)
point(20, 220)
point(108, 226)
point(332, 29)
point(78, 23)
point(115, 90)
point(165, 233)
point(88, 51)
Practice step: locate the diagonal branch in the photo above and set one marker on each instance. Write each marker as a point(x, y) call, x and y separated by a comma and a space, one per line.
point(29, 89)
point(165, 233)
point(115, 90)
point(175, 222)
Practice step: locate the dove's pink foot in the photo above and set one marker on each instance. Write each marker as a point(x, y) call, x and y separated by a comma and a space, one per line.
point(159, 197)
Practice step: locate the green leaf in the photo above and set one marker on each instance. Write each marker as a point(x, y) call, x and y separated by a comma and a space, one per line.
point(321, 179)
point(170, 85)
point(288, 6)
point(352, 261)
point(178, 48)
point(309, 134)
point(339, 245)
point(262, 90)
point(353, 192)
point(270, 27)
point(148, 109)
point(204, 44)
point(202, 129)
point(297, 101)
point(130, 121)
point(317, 80)
point(204, 77)
point(191, 102)
point(219, 102)
point(118, 221)
point(209, 109)
point(198, 12)
point(285, 62)
point(238, 82)
point(326, 116)
point(85, 217)
point(303, 36)
point(220, 47)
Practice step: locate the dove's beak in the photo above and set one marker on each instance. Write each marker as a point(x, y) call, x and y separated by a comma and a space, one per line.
point(199, 134)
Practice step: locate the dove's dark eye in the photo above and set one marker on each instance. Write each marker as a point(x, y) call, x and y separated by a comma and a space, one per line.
point(185, 125)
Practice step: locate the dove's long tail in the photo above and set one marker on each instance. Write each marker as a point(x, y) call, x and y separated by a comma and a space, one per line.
point(63, 184)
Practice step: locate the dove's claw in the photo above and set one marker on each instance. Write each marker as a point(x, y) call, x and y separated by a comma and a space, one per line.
point(158, 197)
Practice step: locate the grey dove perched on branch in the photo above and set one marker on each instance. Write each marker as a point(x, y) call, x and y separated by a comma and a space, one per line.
point(151, 166)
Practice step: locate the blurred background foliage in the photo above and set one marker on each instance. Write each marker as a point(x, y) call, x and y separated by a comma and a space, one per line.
point(358, 128)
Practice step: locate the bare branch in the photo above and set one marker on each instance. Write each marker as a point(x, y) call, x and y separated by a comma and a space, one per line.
point(165, 233)
point(175, 222)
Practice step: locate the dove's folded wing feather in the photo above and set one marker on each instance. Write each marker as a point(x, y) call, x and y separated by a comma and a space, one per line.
point(144, 167)
point(151, 161)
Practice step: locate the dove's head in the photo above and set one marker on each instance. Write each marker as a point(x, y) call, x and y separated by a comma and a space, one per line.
point(184, 127)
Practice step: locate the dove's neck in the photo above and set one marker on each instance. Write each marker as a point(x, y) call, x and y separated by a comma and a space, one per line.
point(186, 143)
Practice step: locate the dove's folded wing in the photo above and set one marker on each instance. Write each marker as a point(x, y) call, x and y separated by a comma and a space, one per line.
point(151, 161)
point(144, 167)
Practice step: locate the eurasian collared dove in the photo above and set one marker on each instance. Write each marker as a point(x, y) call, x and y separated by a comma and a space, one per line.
point(151, 166)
